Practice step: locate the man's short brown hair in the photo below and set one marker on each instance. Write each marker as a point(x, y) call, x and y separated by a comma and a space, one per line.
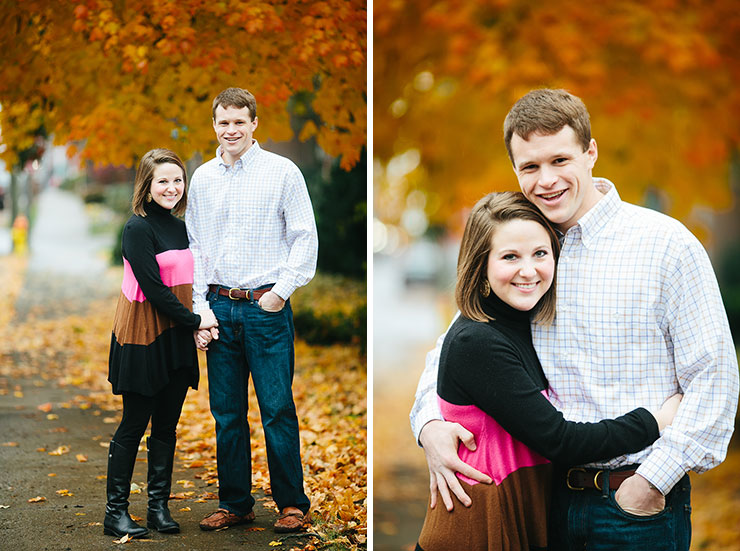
point(145, 175)
point(236, 97)
point(547, 111)
point(472, 263)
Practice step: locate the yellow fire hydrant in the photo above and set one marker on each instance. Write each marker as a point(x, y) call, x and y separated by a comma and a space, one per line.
point(19, 234)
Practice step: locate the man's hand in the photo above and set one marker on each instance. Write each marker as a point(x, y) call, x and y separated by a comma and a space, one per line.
point(638, 497)
point(271, 302)
point(440, 441)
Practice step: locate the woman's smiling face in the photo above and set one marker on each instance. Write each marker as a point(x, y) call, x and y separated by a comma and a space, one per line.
point(521, 265)
point(168, 185)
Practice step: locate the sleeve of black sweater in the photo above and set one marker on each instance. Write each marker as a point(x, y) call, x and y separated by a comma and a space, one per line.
point(491, 373)
point(137, 245)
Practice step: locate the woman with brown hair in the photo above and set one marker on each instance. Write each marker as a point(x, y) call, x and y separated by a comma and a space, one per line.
point(491, 382)
point(153, 360)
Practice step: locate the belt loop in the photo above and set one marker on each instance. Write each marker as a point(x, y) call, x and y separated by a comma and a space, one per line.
point(605, 484)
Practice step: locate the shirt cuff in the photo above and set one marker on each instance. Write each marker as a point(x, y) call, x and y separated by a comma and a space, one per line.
point(421, 417)
point(283, 290)
point(661, 470)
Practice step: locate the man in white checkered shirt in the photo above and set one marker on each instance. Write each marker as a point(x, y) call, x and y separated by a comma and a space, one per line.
point(639, 317)
point(254, 241)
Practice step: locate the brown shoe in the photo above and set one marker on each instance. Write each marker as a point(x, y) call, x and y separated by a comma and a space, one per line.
point(291, 519)
point(223, 519)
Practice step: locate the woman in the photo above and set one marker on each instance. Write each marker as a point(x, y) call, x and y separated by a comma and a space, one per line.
point(152, 359)
point(490, 381)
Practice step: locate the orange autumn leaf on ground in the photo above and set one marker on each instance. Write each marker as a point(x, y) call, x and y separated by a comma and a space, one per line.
point(46, 408)
point(61, 450)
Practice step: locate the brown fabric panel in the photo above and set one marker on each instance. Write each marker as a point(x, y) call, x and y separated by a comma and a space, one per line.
point(509, 517)
point(141, 323)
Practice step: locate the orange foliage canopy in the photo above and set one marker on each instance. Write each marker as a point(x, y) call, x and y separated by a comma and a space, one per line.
point(123, 76)
point(660, 79)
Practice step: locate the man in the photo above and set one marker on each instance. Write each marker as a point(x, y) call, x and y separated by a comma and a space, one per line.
point(253, 237)
point(639, 317)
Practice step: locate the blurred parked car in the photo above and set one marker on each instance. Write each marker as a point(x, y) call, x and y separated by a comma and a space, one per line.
point(422, 263)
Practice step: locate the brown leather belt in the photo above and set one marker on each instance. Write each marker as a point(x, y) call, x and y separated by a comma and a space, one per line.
point(239, 294)
point(579, 478)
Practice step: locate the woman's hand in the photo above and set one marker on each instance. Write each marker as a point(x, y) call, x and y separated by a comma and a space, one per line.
point(207, 319)
point(667, 411)
point(204, 336)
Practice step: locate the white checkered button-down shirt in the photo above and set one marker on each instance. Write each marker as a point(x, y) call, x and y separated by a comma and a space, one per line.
point(250, 224)
point(639, 317)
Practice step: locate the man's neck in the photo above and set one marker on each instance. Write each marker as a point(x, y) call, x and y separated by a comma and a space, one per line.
point(229, 160)
point(589, 202)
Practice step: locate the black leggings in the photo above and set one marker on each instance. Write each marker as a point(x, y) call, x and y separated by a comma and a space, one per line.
point(163, 409)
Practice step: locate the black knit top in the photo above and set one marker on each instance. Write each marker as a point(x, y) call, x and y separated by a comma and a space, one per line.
point(154, 323)
point(494, 366)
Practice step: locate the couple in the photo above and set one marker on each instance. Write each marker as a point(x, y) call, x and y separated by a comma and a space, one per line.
point(639, 322)
point(250, 242)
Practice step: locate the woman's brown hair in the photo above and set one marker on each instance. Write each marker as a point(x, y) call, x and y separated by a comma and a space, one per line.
point(487, 215)
point(145, 174)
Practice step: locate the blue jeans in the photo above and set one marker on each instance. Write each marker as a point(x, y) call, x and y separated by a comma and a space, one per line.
point(254, 342)
point(593, 521)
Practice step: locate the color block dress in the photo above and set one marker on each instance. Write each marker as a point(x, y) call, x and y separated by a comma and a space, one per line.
point(491, 382)
point(154, 323)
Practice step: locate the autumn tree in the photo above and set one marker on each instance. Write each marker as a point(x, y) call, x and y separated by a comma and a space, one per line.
point(119, 77)
point(660, 79)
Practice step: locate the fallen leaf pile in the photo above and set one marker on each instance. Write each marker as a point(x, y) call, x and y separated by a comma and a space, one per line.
point(329, 390)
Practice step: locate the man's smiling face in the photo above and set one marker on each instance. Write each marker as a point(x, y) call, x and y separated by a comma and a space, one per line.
point(234, 128)
point(554, 173)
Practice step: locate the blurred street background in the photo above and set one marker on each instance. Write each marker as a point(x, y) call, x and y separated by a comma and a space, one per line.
point(661, 80)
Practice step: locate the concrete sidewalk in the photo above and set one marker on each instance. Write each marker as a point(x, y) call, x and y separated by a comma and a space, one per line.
point(68, 266)
point(60, 240)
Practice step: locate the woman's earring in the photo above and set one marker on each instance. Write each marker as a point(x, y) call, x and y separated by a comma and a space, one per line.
point(485, 288)
point(148, 197)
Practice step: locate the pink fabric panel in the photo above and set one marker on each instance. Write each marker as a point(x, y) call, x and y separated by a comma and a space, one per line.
point(498, 454)
point(175, 268)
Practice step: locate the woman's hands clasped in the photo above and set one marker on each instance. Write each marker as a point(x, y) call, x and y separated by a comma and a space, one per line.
point(207, 330)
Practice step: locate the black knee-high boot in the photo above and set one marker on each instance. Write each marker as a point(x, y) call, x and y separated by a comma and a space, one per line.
point(120, 468)
point(159, 482)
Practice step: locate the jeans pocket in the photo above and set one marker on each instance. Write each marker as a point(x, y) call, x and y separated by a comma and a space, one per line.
point(632, 516)
point(270, 311)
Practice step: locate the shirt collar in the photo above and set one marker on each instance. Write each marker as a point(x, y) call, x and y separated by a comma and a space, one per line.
point(596, 219)
point(241, 162)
